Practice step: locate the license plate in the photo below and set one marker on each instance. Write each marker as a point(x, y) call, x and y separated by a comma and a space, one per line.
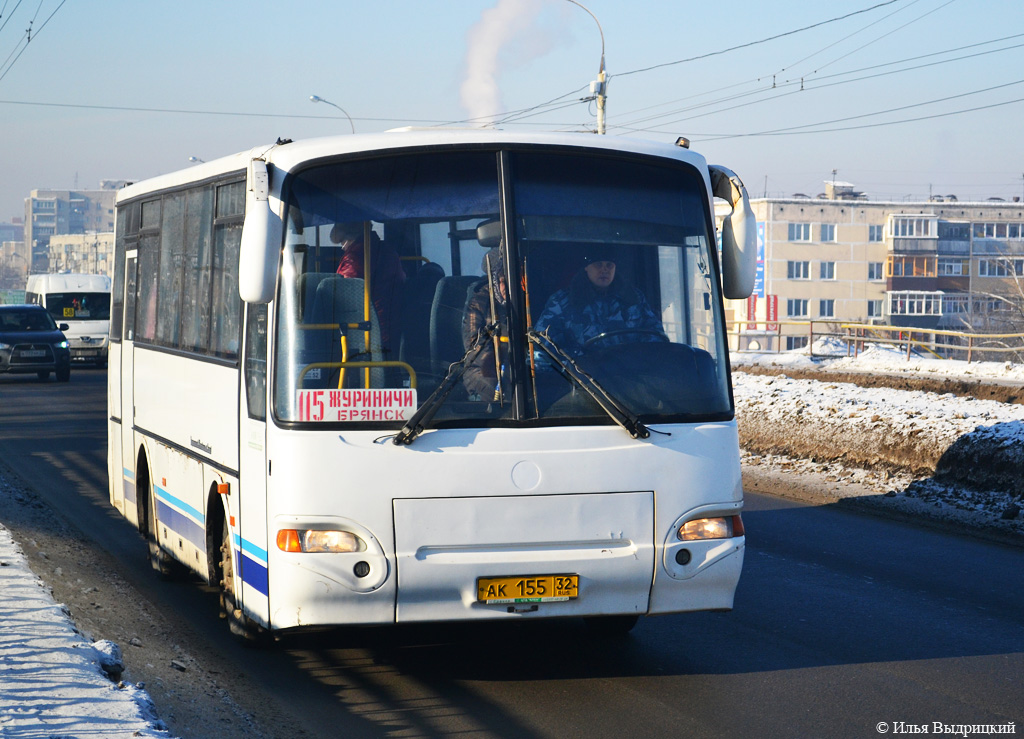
point(527, 589)
point(32, 353)
point(88, 352)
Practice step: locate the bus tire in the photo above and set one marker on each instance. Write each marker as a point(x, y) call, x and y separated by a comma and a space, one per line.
point(240, 625)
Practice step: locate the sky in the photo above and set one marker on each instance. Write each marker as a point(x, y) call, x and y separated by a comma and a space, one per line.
point(902, 98)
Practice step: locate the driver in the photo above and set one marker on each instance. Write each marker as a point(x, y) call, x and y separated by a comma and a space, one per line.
point(595, 303)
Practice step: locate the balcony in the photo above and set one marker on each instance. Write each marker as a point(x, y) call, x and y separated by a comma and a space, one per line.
point(914, 246)
point(954, 246)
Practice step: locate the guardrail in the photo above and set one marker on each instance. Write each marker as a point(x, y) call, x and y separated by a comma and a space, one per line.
point(745, 336)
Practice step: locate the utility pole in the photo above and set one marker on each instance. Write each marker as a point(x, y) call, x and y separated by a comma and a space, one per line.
point(599, 87)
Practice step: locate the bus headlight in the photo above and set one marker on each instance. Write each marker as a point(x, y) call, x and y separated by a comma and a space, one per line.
point(312, 540)
point(719, 527)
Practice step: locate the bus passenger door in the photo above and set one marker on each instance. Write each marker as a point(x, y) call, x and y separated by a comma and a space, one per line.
point(127, 377)
point(250, 537)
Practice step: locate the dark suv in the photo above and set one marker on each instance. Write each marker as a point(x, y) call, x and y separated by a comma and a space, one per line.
point(30, 341)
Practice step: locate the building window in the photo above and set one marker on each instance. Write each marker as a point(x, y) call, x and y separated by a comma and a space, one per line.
point(911, 266)
point(954, 305)
point(991, 305)
point(798, 270)
point(828, 232)
point(997, 230)
point(915, 304)
point(796, 307)
point(828, 270)
point(875, 271)
point(826, 308)
point(954, 267)
point(799, 232)
point(913, 227)
point(874, 309)
point(1000, 267)
point(795, 342)
point(875, 233)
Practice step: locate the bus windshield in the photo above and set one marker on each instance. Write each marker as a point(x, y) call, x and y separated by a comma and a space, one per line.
point(79, 306)
point(502, 288)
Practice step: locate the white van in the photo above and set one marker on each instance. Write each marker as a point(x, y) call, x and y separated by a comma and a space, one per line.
point(83, 303)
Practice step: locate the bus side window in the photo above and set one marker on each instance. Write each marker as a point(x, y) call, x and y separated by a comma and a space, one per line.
point(256, 360)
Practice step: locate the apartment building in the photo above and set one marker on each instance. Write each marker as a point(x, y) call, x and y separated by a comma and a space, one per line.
point(89, 253)
point(840, 257)
point(55, 212)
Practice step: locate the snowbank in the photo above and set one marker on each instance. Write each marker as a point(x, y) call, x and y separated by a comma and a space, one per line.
point(953, 455)
point(829, 354)
point(53, 682)
point(973, 441)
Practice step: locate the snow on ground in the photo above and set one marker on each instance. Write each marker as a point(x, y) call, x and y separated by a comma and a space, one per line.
point(831, 354)
point(53, 682)
point(945, 456)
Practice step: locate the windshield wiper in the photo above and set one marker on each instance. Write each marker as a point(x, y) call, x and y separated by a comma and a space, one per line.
point(615, 409)
point(418, 423)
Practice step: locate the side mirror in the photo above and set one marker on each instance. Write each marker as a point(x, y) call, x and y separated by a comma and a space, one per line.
point(739, 234)
point(63, 327)
point(262, 232)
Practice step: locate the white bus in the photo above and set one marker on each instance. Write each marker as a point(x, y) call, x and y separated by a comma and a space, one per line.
point(291, 413)
point(83, 303)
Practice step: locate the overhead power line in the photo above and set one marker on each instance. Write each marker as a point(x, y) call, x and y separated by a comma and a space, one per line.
point(756, 43)
point(793, 131)
point(797, 86)
point(28, 35)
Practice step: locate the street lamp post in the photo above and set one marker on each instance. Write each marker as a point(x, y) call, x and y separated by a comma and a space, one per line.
point(318, 99)
point(598, 87)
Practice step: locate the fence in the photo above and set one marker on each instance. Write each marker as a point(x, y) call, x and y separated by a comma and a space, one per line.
point(849, 339)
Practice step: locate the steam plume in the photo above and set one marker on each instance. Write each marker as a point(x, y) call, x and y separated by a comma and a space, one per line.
point(497, 27)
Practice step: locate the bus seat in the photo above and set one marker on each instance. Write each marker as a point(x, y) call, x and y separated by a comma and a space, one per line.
point(417, 302)
point(339, 300)
point(308, 283)
point(446, 319)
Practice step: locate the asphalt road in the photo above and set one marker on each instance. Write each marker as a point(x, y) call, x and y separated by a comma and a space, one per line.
point(842, 622)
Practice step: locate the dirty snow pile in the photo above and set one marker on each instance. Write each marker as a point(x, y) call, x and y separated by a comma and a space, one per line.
point(831, 354)
point(953, 455)
point(53, 682)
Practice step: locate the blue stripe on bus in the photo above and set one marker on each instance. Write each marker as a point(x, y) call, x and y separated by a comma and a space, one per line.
point(179, 504)
point(128, 483)
point(253, 573)
point(179, 522)
point(249, 548)
point(129, 491)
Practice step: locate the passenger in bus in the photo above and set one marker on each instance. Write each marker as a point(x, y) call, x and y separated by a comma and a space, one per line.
point(386, 274)
point(598, 301)
point(488, 303)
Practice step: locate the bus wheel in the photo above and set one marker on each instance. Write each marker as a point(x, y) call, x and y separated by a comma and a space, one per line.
point(240, 625)
point(611, 627)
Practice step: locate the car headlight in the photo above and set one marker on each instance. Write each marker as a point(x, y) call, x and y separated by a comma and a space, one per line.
point(61, 345)
point(719, 527)
point(4, 346)
point(313, 540)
